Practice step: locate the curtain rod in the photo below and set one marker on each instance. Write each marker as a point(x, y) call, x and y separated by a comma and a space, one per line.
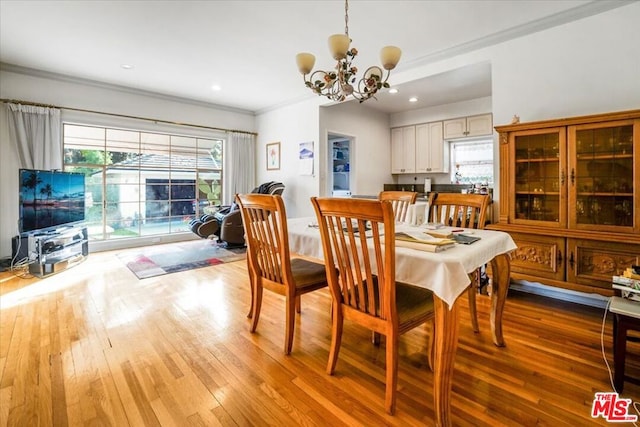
point(35, 104)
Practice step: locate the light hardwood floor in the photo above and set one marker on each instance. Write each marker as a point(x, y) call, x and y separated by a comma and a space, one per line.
point(94, 345)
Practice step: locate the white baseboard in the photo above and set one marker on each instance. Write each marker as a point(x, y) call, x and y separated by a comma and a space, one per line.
point(594, 300)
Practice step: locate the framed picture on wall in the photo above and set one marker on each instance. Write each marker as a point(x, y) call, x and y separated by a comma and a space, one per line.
point(273, 156)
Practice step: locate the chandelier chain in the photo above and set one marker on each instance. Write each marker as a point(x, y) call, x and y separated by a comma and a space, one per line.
point(346, 17)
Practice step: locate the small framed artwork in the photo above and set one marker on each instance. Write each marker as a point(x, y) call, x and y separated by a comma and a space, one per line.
point(273, 156)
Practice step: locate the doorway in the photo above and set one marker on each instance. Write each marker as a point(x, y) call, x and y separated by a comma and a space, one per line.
point(340, 165)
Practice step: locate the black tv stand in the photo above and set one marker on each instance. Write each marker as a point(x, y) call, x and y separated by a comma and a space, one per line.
point(55, 251)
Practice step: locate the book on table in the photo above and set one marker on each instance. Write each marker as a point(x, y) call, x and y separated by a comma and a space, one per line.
point(440, 234)
point(421, 241)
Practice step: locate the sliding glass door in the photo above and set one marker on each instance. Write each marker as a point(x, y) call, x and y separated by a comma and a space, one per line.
point(143, 183)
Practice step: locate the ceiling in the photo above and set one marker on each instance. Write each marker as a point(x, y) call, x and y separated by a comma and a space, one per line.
point(182, 48)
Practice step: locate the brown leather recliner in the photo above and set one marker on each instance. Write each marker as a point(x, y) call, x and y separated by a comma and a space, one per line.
point(226, 224)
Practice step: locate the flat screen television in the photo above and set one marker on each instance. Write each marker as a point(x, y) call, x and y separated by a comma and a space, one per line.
point(50, 199)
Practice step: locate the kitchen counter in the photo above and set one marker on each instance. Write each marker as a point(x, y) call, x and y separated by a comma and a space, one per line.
point(364, 196)
point(421, 197)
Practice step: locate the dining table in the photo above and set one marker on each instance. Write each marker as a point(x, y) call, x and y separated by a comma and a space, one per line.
point(446, 274)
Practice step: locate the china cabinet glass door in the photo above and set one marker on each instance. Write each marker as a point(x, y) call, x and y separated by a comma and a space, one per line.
point(539, 185)
point(602, 176)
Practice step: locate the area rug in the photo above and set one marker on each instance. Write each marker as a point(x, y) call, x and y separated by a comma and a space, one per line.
point(150, 261)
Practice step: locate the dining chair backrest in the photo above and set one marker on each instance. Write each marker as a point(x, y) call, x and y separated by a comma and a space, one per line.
point(264, 218)
point(400, 200)
point(360, 276)
point(458, 209)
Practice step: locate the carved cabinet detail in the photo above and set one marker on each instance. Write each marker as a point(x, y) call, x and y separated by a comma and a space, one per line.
point(592, 263)
point(539, 255)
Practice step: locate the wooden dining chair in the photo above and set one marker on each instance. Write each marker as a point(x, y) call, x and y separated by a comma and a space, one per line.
point(269, 261)
point(361, 273)
point(465, 211)
point(400, 200)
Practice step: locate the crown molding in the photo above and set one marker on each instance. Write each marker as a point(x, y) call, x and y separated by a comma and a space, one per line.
point(595, 7)
point(88, 82)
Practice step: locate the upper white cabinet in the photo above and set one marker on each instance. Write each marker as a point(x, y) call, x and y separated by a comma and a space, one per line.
point(431, 153)
point(403, 150)
point(464, 127)
point(419, 149)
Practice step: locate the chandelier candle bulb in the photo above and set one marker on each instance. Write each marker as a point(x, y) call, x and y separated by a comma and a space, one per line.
point(339, 45)
point(390, 56)
point(305, 62)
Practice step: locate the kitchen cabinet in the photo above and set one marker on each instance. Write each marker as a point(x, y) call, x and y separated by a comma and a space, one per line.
point(419, 149)
point(403, 150)
point(465, 127)
point(432, 154)
point(569, 191)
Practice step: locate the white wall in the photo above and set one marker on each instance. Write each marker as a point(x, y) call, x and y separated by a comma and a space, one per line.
point(290, 126)
point(62, 92)
point(308, 121)
point(371, 151)
point(584, 67)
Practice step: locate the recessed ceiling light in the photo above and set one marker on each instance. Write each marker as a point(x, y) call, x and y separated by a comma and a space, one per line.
point(216, 88)
point(413, 99)
point(127, 66)
point(393, 90)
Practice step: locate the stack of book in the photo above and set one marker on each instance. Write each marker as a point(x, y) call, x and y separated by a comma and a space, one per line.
point(422, 241)
point(628, 284)
point(442, 233)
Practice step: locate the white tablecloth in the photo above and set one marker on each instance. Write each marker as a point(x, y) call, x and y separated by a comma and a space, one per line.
point(445, 273)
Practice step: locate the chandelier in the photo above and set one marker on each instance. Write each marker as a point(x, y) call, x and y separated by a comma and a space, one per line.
point(339, 84)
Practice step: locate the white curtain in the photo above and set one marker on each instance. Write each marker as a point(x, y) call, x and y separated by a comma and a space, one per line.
point(36, 133)
point(239, 165)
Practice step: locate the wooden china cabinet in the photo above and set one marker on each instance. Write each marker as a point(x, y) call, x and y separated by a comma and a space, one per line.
point(570, 198)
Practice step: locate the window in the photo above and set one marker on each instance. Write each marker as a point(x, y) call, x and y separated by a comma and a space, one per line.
point(472, 162)
point(142, 183)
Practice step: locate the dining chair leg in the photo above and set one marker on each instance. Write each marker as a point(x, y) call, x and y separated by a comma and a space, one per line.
point(298, 305)
point(252, 281)
point(257, 303)
point(336, 338)
point(392, 373)
point(251, 286)
point(292, 304)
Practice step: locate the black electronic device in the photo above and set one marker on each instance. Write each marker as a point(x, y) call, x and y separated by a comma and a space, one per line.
point(50, 200)
point(464, 238)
